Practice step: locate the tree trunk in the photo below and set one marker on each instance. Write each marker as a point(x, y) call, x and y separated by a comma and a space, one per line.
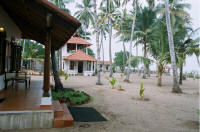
point(176, 87)
point(145, 55)
point(130, 48)
point(181, 74)
point(58, 84)
point(97, 43)
point(102, 46)
point(160, 70)
point(110, 44)
point(124, 56)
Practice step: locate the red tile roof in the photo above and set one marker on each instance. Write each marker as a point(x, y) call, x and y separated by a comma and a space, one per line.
point(80, 56)
point(106, 62)
point(78, 40)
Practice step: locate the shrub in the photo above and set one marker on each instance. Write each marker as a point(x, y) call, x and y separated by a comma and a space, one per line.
point(120, 88)
point(112, 82)
point(141, 90)
point(72, 97)
point(61, 73)
point(66, 76)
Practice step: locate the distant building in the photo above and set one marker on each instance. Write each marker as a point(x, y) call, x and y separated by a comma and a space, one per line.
point(106, 65)
point(75, 61)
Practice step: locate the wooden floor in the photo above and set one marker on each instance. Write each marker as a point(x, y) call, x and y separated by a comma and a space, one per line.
point(18, 98)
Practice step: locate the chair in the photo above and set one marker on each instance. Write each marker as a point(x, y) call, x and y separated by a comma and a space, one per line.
point(21, 77)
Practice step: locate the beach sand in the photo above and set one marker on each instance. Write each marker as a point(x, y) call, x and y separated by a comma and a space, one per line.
point(161, 111)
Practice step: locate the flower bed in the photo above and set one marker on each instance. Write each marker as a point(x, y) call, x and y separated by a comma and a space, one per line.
point(71, 97)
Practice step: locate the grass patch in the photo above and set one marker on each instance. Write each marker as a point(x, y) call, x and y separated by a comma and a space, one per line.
point(71, 97)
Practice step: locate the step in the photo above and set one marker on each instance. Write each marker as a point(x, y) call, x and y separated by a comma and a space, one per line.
point(58, 109)
point(65, 120)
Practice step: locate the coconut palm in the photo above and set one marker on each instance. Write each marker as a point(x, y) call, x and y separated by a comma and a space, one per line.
point(144, 21)
point(134, 4)
point(103, 28)
point(158, 47)
point(123, 30)
point(61, 4)
point(109, 9)
point(85, 14)
point(58, 85)
point(97, 43)
point(176, 87)
point(185, 46)
point(84, 34)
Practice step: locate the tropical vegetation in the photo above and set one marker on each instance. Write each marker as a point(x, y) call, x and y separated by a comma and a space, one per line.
point(163, 30)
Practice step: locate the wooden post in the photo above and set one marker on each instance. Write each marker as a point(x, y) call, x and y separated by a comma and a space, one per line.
point(46, 81)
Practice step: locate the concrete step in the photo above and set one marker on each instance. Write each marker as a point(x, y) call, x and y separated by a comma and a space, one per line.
point(58, 109)
point(62, 116)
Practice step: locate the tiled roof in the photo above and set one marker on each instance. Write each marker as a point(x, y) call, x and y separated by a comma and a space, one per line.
point(106, 62)
point(80, 56)
point(30, 17)
point(78, 40)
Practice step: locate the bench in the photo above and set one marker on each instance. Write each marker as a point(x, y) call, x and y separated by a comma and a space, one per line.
point(19, 77)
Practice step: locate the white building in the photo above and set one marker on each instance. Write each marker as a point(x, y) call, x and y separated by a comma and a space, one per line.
point(75, 61)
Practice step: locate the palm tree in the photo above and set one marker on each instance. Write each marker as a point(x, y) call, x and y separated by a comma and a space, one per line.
point(134, 4)
point(97, 43)
point(109, 10)
point(123, 19)
point(85, 14)
point(103, 28)
point(176, 87)
point(144, 21)
point(185, 46)
point(83, 34)
point(158, 47)
point(58, 85)
point(32, 50)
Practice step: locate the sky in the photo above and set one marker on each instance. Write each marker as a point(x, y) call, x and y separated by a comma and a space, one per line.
point(191, 62)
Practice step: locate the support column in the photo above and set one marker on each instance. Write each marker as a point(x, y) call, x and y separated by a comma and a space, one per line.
point(46, 81)
point(92, 66)
point(86, 50)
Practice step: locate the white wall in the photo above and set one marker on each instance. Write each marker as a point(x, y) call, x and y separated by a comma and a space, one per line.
point(12, 31)
point(9, 26)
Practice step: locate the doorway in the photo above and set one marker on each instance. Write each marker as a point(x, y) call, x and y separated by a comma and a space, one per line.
point(80, 67)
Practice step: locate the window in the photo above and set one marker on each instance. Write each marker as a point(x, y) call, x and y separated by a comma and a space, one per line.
point(89, 65)
point(13, 57)
point(71, 67)
point(2, 51)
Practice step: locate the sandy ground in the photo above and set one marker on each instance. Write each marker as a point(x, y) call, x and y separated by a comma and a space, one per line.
point(164, 112)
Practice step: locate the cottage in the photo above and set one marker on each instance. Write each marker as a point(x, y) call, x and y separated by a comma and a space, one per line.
point(75, 61)
point(43, 22)
point(105, 65)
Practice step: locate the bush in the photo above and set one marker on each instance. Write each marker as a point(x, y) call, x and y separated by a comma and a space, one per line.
point(61, 73)
point(66, 76)
point(112, 82)
point(72, 97)
point(141, 90)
